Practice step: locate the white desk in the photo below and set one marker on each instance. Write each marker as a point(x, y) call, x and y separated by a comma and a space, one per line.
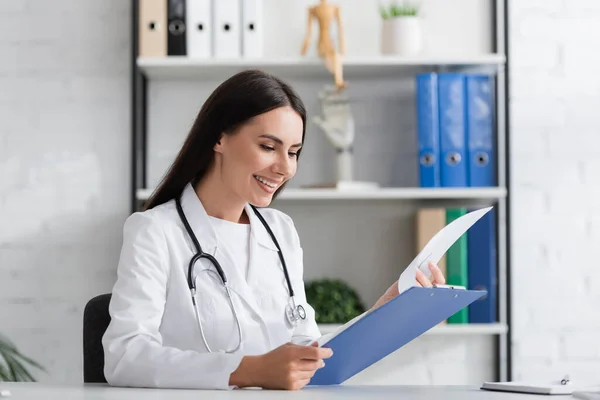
point(29, 391)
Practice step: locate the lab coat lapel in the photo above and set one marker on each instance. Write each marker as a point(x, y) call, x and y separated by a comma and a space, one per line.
point(261, 245)
point(198, 220)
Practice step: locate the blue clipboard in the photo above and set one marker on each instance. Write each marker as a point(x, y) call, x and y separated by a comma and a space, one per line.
point(388, 328)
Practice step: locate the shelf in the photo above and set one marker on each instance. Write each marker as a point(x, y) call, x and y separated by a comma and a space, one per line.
point(393, 194)
point(484, 193)
point(445, 329)
point(174, 67)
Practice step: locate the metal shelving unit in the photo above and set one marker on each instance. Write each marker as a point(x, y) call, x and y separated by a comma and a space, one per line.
point(144, 69)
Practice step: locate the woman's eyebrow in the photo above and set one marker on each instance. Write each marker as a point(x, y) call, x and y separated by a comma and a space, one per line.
point(279, 141)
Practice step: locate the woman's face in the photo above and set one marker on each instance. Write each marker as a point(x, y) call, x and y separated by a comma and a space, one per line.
point(255, 161)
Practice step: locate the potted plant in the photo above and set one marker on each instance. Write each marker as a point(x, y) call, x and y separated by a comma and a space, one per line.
point(401, 29)
point(13, 364)
point(333, 300)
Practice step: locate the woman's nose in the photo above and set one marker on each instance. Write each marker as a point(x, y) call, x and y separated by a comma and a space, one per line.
point(284, 166)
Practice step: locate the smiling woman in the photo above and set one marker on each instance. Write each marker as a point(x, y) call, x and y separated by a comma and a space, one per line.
point(210, 290)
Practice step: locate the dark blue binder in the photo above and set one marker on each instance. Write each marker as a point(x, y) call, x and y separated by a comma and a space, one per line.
point(481, 256)
point(428, 135)
point(480, 130)
point(453, 134)
point(388, 328)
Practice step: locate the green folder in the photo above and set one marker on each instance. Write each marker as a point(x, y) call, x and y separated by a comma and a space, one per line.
point(456, 264)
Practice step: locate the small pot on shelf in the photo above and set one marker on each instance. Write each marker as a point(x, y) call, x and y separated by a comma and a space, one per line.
point(401, 30)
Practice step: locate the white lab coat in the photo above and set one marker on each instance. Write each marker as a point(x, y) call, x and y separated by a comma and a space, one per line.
point(153, 339)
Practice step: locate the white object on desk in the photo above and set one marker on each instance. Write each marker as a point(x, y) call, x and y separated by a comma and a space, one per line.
point(564, 386)
point(586, 395)
point(4, 393)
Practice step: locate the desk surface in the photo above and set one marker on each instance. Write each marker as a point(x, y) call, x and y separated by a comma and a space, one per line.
point(28, 391)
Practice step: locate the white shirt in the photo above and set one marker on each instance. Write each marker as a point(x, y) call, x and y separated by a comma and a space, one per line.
point(236, 239)
point(153, 339)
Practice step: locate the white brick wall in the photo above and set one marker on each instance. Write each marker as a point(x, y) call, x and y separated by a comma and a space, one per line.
point(555, 98)
point(64, 169)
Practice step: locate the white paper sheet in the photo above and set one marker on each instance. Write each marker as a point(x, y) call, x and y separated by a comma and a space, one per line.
point(435, 249)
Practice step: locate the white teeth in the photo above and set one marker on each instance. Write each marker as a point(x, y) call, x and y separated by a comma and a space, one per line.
point(258, 178)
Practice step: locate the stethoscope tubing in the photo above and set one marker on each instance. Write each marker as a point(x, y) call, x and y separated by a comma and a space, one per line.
point(297, 311)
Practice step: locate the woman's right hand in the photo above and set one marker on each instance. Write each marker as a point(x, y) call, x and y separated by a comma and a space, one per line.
point(289, 367)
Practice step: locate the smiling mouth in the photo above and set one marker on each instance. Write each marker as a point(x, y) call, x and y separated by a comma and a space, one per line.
point(266, 184)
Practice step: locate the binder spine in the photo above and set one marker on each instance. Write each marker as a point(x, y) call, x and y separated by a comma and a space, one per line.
point(483, 268)
point(480, 116)
point(152, 30)
point(457, 266)
point(226, 23)
point(452, 93)
point(428, 130)
point(252, 28)
point(176, 32)
point(199, 28)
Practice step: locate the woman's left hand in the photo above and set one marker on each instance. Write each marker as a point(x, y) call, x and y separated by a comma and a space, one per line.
point(422, 280)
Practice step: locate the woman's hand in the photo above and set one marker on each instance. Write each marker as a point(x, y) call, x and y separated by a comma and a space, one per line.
point(422, 280)
point(288, 367)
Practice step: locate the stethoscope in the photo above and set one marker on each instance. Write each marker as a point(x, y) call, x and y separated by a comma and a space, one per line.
point(294, 313)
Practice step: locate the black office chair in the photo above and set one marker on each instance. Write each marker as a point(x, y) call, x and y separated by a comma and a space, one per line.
point(95, 323)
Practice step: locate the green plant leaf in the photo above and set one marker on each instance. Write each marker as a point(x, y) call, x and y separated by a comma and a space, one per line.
point(395, 10)
point(333, 301)
point(3, 373)
point(13, 364)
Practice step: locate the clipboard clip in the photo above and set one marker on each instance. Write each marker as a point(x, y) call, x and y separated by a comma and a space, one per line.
point(435, 285)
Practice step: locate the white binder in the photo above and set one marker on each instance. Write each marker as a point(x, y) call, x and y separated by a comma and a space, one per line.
point(227, 41)
point(252, 28)
point(199, 32)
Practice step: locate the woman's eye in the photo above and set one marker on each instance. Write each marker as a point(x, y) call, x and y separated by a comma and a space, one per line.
point(268, 148)
point(293, 154)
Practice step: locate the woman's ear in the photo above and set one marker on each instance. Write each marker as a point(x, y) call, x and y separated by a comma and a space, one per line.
point(219, 145)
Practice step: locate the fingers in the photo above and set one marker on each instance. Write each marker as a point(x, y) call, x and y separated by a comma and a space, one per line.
point(313, 352)
point(310, 365)
point(300, 384)
point(438, 276)
point(423, 280)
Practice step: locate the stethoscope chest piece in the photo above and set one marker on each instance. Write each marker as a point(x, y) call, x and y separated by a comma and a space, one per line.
point(294, 313)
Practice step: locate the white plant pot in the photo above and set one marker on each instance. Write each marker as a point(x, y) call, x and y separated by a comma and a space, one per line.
point(401, 36)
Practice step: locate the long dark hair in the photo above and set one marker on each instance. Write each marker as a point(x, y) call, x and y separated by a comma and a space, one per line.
point(235, 101)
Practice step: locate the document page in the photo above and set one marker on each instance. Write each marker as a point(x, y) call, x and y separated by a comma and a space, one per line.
point(435, 249)
point(432, 252)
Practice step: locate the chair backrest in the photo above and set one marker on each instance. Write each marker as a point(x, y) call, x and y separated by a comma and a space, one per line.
point(95, 322)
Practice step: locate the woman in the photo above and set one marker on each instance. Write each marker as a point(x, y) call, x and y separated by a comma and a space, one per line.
point(240, 153)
